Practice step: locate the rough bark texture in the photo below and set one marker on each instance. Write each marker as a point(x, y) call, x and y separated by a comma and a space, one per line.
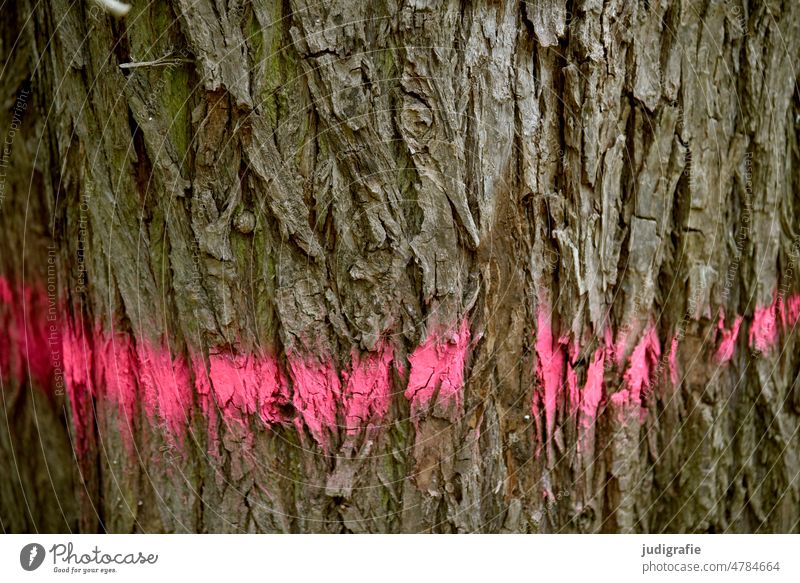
point(528, 228)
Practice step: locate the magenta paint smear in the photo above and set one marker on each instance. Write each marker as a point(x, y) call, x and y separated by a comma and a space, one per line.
point(793, 311)
point(590, 398)
point(608, 341)
point(642, 364)
point(246, 385)
point(789, 310)
point(33, 327)
point(673, 362)
point(166, 386)
point(437, 371)
point(367, 392)
point(77, 356)
point(641, 368)
point(572, 388)
point(728, 338)
point(317, 392)
point(6, 295)
point(116, 366)
point(238, 388)
point(24, 346)
point(592, 392)
point(6, 339)
point(573, 392)
point(764, 328)
point(206, 402)
point(549, 368)
point(272, 392)
point(12, 338)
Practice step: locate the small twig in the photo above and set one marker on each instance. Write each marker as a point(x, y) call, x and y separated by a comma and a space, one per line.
point(161, 62)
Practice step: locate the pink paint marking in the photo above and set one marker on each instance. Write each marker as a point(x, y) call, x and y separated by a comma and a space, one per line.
point(107, 365)
point(244, 385)
point(272, 393)
point(612, 353)
point(317, 391)
point(728, 342)
point(642, 364)
point(437, 371)
point(115, 359)
point(792, 311)
point(608, 338)
point(167, 387)
point(550, 367)
point(11, 365)
point(619, 347)
point(572, 388)
point(573, 392)
point(206, 401)
point(6, 295)
point(77, 354)
point(764, 329)
point(234, 387)
point(621, 398)
point(789, 310)
point(367, 392)
point(34, 326)
point(77, 357)
point(24, 343)
point(673, 362)
point(592, 392)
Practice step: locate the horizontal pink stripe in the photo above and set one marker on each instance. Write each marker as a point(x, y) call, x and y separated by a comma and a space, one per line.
point(315, 393)
point(437, 371)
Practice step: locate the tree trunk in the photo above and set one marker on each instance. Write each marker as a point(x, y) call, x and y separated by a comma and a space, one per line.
point(401, 266)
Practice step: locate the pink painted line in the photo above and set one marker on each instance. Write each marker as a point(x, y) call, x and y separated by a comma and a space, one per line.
point(12, 357)
point(727, 344)
point(317, 392)
point(573, 392)
point(642, 363)
point(24, 342)
point(272, 393)
point(236, 388)
point(77, 357)
point(608, 341)
point(33, 328)
point(367, 392)
point(789, 309)
point(592, 393)
point(207, 402)
point(166, 386)
point(437, 372)
point(116, 367)
point(6, 295)
point(673, 362)
point(549, 368)
point(572, 388)
point(764, 329)
point(621, 398)
point(246, 385)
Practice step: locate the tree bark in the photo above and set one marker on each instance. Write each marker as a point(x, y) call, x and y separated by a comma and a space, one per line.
point(419, 266)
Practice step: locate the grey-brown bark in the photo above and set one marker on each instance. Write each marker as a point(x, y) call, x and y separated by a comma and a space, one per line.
point(408, 165)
